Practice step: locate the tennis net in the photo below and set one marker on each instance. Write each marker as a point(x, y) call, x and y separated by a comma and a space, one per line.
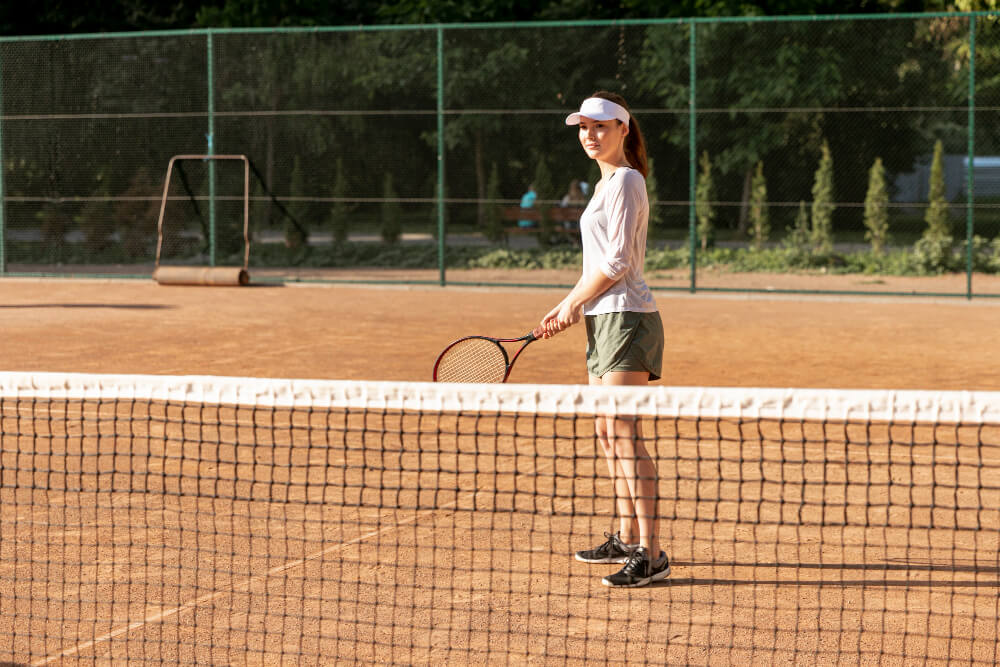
point(231, 520)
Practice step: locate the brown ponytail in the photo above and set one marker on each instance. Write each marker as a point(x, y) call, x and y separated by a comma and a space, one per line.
point(635, 145)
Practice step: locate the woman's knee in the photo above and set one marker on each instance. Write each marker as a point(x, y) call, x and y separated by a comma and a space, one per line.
point(601, 431)
point(622, 437)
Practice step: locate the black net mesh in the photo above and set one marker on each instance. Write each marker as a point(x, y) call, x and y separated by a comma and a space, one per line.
point(214, 520)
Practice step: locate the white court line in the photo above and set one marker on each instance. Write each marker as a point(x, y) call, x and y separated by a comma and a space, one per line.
point(154, 618)
point(208, 597)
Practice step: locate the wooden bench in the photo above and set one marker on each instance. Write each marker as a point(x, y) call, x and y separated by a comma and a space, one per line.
point(566, 217)
point(565, 222)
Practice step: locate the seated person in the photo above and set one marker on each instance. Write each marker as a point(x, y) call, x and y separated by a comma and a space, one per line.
point(574, 198)
point(528, 201)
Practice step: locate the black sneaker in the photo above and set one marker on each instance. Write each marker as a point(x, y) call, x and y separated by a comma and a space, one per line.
point(612, 551)
point(639, 570)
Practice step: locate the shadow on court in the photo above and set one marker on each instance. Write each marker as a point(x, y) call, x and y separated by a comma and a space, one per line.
point(863, 581)
point(115, 306)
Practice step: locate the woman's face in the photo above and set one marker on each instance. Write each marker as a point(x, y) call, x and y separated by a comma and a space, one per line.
point(602, 139)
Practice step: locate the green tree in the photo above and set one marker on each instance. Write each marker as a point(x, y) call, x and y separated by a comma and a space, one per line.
point(936, 215)
point(655, 214)
point(777, 91)
point(298, 209)
point(594, 176)
point(96, 219)
point(545, 191)
point(136, 214)
point(877, 208)
point(389, 212)
point(760, 227)
point(799, 237)
point(339, 212)
point(494, 229)
point(822, 204)
point(704, 203)
point(933, 250)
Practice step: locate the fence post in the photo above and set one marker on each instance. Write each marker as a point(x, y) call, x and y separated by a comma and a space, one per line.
point(210, 137)
point(970, 167)
point(3, 248)
point(692, 159)
point(440, 153)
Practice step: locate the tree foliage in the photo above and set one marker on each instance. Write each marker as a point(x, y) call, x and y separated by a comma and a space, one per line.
point(799, 237)
point(936, 215)
point(778, 101)
point(389, 211)
point(877, 208)
point(822, 203)
point(297, 209)
point(339, 220)
point(652, 191)
point(367, 98)
point(760, 226)
point(53, 16)
point(494, 229)
point(704, 198)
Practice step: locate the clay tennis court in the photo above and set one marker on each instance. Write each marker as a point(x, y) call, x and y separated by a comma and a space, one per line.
point(535, 603)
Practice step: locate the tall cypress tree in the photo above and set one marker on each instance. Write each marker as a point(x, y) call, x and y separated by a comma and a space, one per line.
point(936, 216)
point(760, 228)
point(339, 211)
point(655, 215)
point(704, 207)
point(545, 191)
point(877, 208)
point(295, 236)
point(822, 205)
point(494, 222)
point(799, 235)
point(389, 212)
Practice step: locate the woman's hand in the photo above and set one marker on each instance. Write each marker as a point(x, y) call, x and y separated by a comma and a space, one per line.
point(563, 316)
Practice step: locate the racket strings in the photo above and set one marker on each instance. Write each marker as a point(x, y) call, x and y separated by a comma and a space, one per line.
point(473, 360)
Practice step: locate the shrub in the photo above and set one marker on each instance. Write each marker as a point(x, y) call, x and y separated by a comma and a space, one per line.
point(877, 208)
point(822, 205)
point(936, 216)
point(136, 214)
point(799, 236)
point(760, 228)
point(655, 214)
point(95, 220)
point(389, 212)
point(546, 192)
point(703, 203)
point(494, 222)
point(295, 233)
point(339, 212)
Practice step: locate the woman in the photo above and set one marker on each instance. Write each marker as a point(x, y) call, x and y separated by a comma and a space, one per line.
point(624, 332)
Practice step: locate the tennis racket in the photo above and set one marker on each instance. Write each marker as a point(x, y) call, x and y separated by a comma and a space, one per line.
point(479, 359)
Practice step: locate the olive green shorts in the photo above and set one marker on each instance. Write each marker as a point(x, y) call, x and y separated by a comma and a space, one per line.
point(624, 342)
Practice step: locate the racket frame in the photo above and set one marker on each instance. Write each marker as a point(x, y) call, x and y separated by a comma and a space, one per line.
point(527, 339)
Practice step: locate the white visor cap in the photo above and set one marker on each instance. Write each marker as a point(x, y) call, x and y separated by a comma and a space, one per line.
point(598, 108)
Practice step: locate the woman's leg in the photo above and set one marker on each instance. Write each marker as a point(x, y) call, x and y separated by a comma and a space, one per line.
point(633, 465)
point(628, 530)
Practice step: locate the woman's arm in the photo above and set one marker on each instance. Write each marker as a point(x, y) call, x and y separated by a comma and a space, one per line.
point(570, 309)
point(624, 199)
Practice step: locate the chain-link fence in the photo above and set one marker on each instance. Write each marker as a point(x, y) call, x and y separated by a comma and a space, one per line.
point(816, 153)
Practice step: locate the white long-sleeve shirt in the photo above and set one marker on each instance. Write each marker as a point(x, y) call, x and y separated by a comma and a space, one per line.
point(614, 227)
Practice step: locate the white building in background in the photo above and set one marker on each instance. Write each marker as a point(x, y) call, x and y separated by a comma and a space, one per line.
point(915, 185)
point(985, 175)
